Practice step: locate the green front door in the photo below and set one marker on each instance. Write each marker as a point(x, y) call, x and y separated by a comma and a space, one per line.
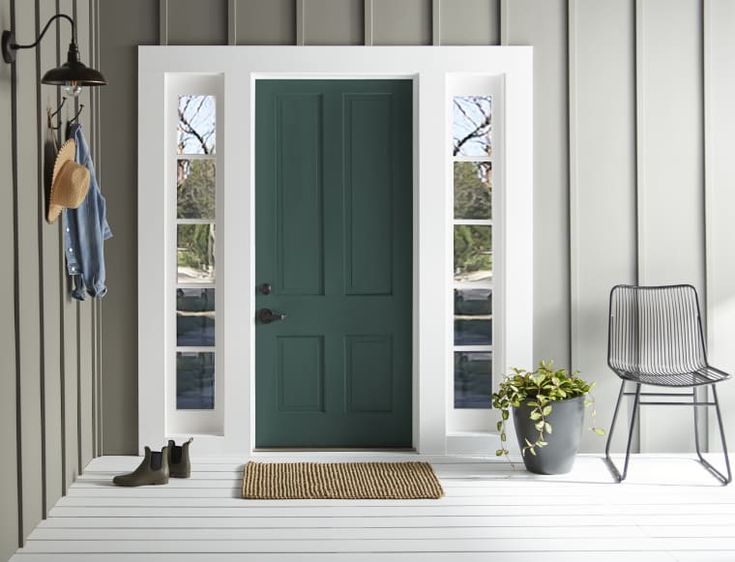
point(333, 254)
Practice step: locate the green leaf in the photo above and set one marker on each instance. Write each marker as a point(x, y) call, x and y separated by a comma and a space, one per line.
point(499, 453)
point(532, 450)
point(535, 415)
point(547, 410)
point(503, 437)
point(499, 425)
point(547, 427)
point(540, 425)
point(599, 431)
point(505, 415)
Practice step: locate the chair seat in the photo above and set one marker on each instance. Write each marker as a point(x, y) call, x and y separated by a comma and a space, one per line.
point(705, 375)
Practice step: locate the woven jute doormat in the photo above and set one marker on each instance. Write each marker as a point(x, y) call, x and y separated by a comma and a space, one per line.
point(353, 480)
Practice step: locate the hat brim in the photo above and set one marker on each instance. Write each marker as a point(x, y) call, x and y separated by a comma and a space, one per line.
point(67, 153)
point(53, 213)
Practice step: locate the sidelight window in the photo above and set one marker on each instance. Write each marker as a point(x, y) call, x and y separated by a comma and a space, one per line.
point(472, 162)
point(195, 252)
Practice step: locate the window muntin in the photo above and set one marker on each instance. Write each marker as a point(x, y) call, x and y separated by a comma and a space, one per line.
point(195, 252)
point(473, 250)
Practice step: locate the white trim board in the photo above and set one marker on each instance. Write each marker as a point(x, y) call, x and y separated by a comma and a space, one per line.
point(430, 68)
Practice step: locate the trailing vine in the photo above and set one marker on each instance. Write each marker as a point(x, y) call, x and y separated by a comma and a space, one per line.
point(539, 389)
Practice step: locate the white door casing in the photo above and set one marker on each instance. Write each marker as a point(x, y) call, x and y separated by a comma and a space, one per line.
point(432, 70)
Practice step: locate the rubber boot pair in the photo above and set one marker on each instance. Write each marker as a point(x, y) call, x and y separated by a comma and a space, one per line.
point(156, 468)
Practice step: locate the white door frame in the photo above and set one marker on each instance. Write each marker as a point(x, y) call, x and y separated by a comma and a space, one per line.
point(432, 70)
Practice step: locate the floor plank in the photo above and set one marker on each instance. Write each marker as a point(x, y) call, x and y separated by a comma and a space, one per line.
point(668, 509)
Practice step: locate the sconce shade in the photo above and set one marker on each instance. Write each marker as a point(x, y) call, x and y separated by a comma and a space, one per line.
point(73, 71)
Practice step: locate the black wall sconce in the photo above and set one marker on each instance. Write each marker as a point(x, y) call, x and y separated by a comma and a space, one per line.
point(72, 75)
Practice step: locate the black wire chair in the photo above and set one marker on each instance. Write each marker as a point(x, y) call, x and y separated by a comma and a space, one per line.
point(655, 338)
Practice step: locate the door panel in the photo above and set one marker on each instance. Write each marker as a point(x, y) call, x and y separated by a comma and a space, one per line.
point(300, 373)
point(333, 238)
point(298, 183)
point(368, 195)
point(369, 374)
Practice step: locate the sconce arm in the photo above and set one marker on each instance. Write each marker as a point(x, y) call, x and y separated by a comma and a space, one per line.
point(45, 29)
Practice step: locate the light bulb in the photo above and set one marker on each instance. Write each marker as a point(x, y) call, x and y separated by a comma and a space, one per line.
point(72, 89)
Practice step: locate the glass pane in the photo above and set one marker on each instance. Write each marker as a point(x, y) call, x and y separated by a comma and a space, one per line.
point(473, 380)
point(470, 330)
point(195, 253)
point(195, 187)
point(471, 126)
point(473, 316)
point(195, 317)
point(195, 381)
point(472, 190)
point(196, 128)
point(473, 301)
point(473, 256)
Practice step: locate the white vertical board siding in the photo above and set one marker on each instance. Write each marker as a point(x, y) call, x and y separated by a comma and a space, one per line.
point(8, 405)
point(332, 23)
point(719, 110)
point(52, 263)
point(34, 463)
point(69, 310)
point(670, 173)
point(602, 185)
point(543, 24)
point(470, 22)
point(31, 430)
point(85, 308)
point(583, 232)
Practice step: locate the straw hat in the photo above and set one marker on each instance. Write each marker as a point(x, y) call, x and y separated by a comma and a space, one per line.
point(69, 184)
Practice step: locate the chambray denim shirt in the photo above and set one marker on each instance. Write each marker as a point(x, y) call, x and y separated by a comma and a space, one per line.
point(85, 231)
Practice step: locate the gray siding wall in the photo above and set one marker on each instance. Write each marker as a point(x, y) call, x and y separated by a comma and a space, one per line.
point(48, 343)
point(624, 123)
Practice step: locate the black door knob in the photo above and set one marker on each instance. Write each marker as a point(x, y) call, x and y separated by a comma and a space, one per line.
point(265, 288)
point(266, 316)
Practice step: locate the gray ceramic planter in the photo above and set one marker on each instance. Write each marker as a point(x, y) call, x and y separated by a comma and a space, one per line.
point(566, 419)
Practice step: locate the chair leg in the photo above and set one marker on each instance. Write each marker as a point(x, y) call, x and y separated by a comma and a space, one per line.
point(611, 465)
point(716, 473)
point(612, 429)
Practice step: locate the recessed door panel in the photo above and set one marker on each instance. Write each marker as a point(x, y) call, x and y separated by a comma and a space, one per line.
point(300, 373)
point(368, 194)
point(298, 213)
point(369, 373)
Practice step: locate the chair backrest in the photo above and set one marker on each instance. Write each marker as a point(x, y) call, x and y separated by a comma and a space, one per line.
point(655, 330)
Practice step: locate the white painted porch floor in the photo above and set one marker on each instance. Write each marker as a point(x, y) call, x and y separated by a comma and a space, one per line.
point(670, 508)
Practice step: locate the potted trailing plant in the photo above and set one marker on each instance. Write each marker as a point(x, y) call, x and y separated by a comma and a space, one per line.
point(548, 414)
